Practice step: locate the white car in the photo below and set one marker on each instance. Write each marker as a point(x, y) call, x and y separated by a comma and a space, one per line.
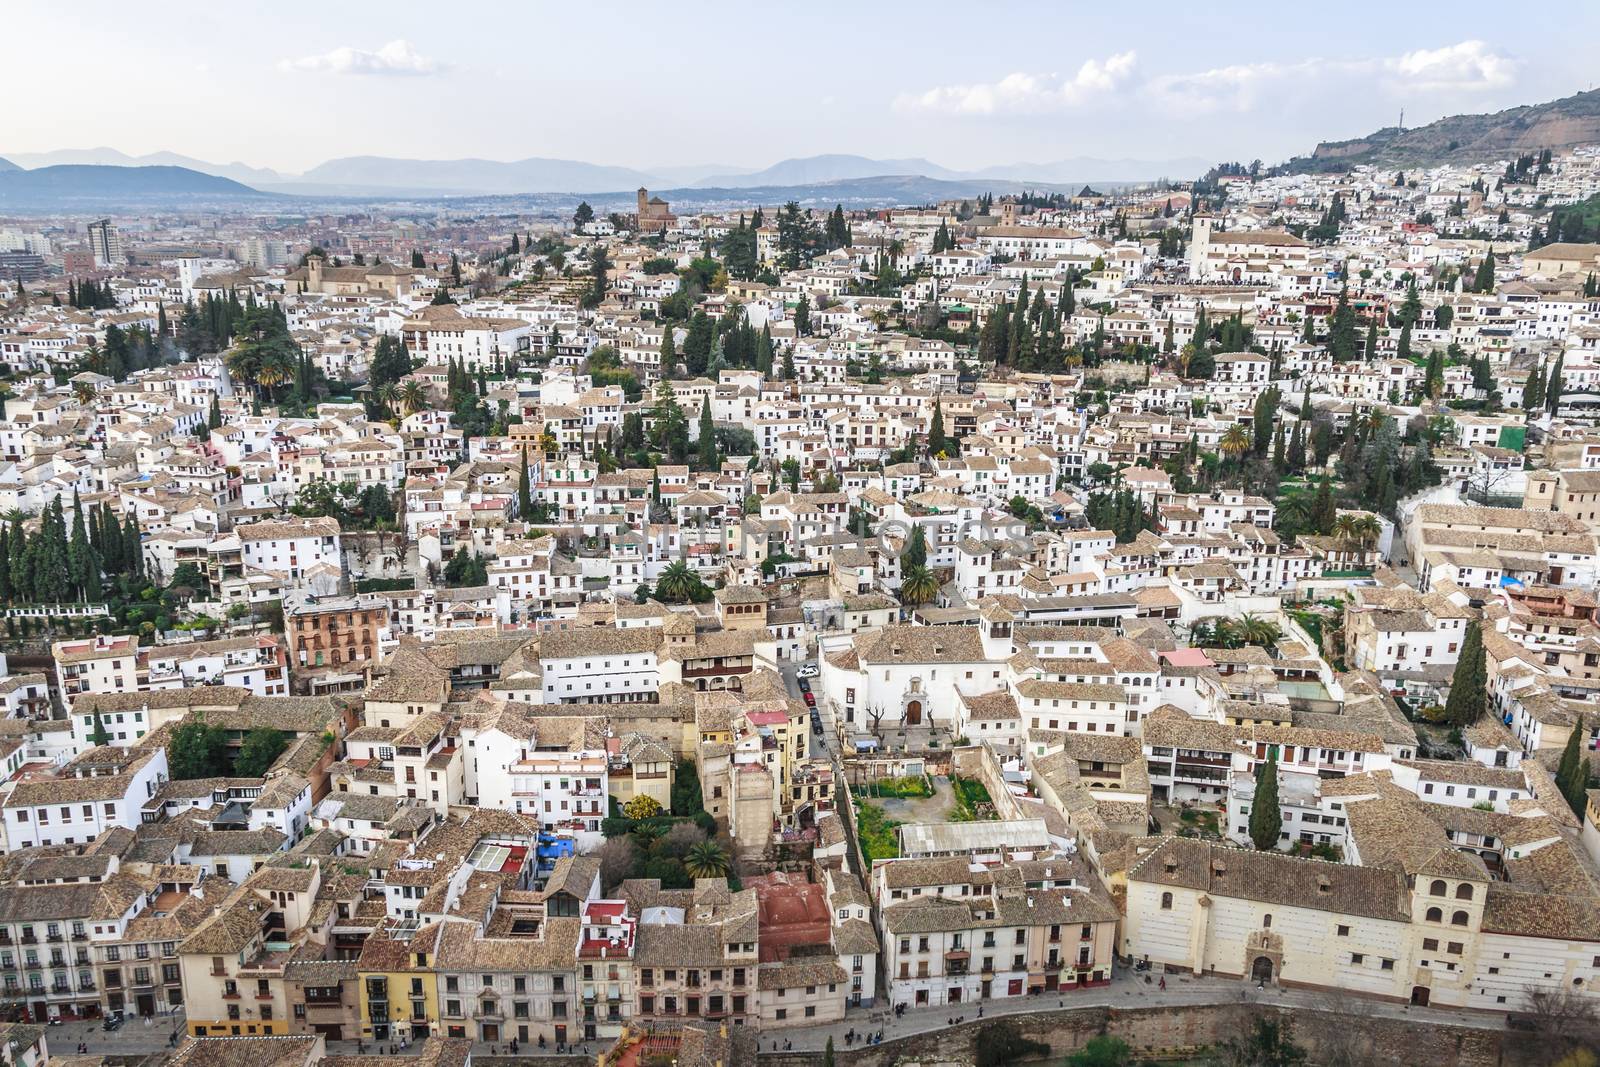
point(808, 670)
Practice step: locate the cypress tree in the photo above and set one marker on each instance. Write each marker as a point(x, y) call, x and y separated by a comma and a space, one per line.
point(708, 437)
point(524, 491)
point(1468, 698)
point(1552, 390)
point(936, 438)
point(1533, 390)
point(1572, 774)
point(132, 547)
point(17, 562)
point(1323, 510)
point(85, 568)
point(1483, 281)
point(1266, 818)
point(764, 351)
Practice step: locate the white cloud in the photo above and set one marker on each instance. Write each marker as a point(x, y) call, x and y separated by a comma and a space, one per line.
point(1467, 65)
point(1463, 67)
point(395, 59)
point(1022, 93)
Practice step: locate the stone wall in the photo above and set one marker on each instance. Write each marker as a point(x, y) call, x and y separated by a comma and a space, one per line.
point(1172, 1031)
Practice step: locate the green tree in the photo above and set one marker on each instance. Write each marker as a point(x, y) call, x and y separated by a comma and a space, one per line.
point(919, 586)
point(81, 557)
point(708, 437)
point(802, 316)
point(197, 750)
point(680, 585)
point(707, 859)
point(1001, 1043)
point(915, 553)
point(100, 735)
point(1102, 1051)
point(1572, 774)
point(1266, 818)
point(584, 215)
point(524, 492)
point(1483, 280)
point(937, 444)
point(1468, 696)
point(1533, 390)
point(260, 748)
point(698, 344)
point(1553, 389)
point(669, 354)
point(1267, 1044)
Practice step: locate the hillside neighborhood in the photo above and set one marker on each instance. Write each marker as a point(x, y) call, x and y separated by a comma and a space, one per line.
point(683, 635)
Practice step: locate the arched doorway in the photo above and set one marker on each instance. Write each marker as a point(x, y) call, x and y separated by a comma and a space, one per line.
point(1419, 995)
point(914, 713)
point(1261, 969)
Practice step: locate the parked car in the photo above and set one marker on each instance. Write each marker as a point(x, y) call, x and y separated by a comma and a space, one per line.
point(805, 686)
point(811, 699)
point(808, 670)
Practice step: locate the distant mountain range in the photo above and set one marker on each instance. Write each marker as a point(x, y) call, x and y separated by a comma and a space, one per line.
point(239, 172)
point(1557, 124)
point(95, 187)
point(356, 176)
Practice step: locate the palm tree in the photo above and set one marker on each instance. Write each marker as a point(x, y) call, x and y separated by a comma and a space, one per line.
point(1254, 630)
point(1225, 634)
point(83, 392)
point(707, 860)
point(677, 583)
point(413, 396)
point(1367, 530)
point(244, 362)
point(1235, 441)
point(919, 586)
point(649, 833)
point(1295, 512)
point(1344, 528)
point(1201, 633)
point(389, 395)
point(276, 368)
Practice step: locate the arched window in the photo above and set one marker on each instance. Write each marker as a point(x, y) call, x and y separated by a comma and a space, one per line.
point(1464, 891)
point(1437, 888)
point(1266, 922)
point(1458, 919)
point(1166, 901)
point(1434, 915)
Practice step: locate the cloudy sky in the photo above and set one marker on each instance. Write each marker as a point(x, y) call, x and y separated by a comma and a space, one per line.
point(745, 84)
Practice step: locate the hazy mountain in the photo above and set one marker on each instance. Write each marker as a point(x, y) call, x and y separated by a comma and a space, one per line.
point(86, 185)
point(6, 164)
point(239, 172)
point(811, 170)
point(874, 191)
point(533, 175)
point(828, 168)
point(1557, 124)
point(1093, 169)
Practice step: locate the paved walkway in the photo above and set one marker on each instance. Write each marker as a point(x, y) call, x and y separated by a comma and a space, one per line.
point(1127, 991)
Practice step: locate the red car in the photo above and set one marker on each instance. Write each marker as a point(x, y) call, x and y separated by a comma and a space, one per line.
point(811, 700)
